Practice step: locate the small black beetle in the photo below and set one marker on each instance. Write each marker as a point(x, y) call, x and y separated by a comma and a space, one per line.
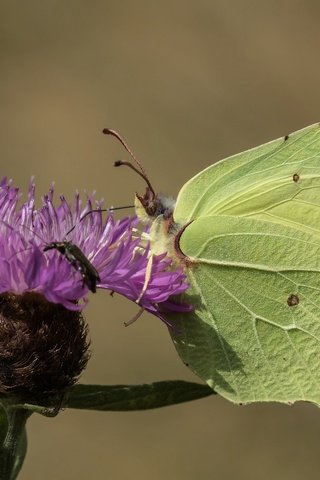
point(78, 260)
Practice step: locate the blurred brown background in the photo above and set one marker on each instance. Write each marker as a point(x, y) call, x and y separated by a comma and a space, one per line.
point(186, 83)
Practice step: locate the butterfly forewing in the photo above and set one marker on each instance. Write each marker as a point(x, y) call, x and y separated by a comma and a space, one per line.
point(279, 182)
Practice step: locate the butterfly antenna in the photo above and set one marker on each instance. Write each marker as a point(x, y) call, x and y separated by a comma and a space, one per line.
point(141, 171)
point(109, 131)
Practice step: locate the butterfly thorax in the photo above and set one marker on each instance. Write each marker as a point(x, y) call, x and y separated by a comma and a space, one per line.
point(157, 211)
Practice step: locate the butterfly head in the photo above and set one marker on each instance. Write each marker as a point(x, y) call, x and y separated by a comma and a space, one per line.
point(150, 205)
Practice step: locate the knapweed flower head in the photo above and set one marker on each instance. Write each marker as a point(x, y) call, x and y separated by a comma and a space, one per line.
point(43, 338)
point(114, 248)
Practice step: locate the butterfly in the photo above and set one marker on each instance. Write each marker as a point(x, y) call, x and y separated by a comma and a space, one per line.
point(247, 230)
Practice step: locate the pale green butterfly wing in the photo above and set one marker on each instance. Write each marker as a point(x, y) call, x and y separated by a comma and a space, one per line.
point(278, 181)
point(255, 334)
point(254, 272)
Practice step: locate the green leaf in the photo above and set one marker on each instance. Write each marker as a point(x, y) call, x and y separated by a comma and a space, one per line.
point(134, 397)
point(122, 397)
point(249, 230)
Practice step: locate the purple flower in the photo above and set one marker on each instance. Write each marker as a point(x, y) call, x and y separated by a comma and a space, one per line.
point(115, 249)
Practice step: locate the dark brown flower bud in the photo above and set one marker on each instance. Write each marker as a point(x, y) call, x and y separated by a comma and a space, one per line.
point(43, 346)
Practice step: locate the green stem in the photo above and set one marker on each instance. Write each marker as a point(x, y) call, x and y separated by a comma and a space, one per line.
point(9, 453)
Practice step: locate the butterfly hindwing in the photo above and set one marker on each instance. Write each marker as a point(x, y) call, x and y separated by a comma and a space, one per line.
point(256, 294)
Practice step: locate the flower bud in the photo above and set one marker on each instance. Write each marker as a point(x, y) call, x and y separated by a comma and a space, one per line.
point(43, 346)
